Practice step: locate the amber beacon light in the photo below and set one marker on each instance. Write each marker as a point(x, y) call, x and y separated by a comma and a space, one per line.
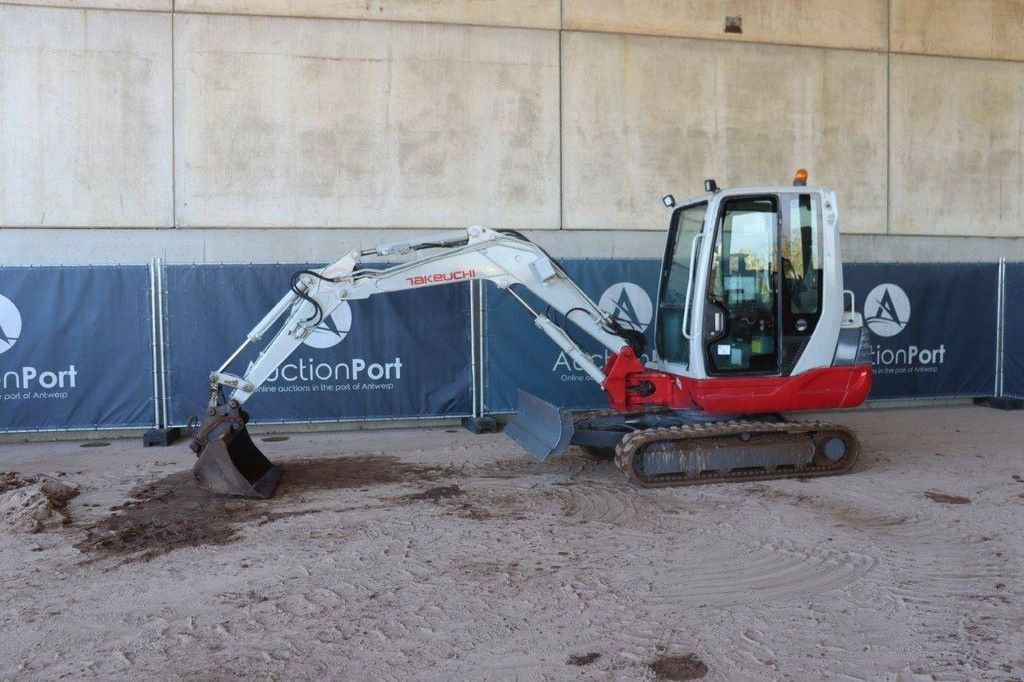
point(800, 179)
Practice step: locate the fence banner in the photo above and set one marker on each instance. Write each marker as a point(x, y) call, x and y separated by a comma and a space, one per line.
point(1013, 331)
point(76, 348)
point(933, 326)
point(518, 355)
point(398, 355)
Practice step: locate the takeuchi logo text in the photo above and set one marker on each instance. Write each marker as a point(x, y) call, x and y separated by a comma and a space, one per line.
point(440, 277)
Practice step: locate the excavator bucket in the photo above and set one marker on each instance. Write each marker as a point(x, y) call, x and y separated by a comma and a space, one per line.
point(229, 462)
point(540, 427)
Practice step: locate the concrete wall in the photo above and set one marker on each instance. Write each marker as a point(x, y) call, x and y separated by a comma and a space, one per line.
point(297, 129)
point(85, 118)
point(986, 29)
point(957, 152)
point(629, 137)
point(300, 122)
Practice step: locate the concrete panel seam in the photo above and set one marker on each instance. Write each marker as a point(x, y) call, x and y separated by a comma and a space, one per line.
point(888, 120)
point(561, 130)
point(314, 17)
point(174, 10)
point(174, 150)
point(726, 42)
point(966, 58)
point(33, 5)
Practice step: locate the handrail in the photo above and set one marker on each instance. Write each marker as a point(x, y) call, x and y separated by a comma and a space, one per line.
point(689, 286)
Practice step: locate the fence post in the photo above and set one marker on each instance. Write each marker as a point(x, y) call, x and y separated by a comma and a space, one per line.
point(478, 423)
point(154, 311)
point(1001, 328)
point(163, 434)
point(999, 400)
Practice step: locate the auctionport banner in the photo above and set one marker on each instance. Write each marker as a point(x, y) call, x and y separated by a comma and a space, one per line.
point(75, 348)
point(1013, 331)
point(518, 355)
point(397, 355)
point(933, 326)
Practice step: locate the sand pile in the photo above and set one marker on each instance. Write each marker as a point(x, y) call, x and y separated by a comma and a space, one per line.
point(31, 504)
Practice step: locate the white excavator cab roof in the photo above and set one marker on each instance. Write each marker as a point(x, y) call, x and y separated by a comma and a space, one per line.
point(751, 191)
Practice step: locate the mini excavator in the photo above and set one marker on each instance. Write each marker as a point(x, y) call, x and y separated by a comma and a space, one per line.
point(752, 321)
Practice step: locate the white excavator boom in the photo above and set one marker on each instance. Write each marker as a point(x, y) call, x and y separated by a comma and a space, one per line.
point(229, 462)
point(504, 258)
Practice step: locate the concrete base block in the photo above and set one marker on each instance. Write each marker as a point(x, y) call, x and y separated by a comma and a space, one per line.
point(1001, 403)
point(163, 437)
point(481, 424)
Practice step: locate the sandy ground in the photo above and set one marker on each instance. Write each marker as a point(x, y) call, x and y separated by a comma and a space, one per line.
point(438, 554)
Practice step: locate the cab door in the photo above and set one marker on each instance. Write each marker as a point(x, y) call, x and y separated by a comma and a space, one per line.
point(741, 300)
point(763, 297)
point(679, 271)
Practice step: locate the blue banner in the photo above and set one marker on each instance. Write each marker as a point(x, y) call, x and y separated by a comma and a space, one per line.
point(1013, 331)
point(933, 326)
point(518, 355)
point(405, 354)
point(76, 348)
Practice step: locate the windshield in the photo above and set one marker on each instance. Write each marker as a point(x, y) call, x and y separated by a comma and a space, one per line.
point(672, 345)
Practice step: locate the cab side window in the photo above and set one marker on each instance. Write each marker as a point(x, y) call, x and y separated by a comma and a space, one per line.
point(801, 271)
point(672, 343)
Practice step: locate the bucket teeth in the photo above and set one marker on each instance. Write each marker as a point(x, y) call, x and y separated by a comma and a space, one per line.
point(229, 462)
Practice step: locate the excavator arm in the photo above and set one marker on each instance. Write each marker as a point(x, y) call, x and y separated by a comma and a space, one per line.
point(228, 460)
point(505, 258)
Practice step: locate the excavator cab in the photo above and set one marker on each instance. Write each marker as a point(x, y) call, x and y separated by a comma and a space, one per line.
point(751, 285)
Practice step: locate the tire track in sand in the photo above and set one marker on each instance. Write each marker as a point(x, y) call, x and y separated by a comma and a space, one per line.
point(941, 579)
point(707, 564)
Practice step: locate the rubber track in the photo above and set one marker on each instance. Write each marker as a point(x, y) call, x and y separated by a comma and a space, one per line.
point(633, 444)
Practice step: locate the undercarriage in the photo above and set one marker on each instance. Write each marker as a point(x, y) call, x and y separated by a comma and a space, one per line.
point(677, 448)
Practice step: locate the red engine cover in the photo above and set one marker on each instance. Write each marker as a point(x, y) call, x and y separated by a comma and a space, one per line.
point(630, 386)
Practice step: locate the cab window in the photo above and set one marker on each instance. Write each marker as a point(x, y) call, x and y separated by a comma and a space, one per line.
point(800, 247)
point(740, 311)
point(687, 223)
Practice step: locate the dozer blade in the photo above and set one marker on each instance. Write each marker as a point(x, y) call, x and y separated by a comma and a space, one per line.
point(229, 462)
point(540, 427)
